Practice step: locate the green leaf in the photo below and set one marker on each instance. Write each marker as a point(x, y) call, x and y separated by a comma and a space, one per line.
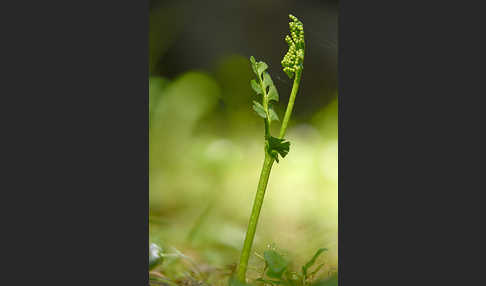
point(261, 67)
point(273, 115)
point(278, 146)
point(276, 263)
point(155, 256)
point(267, 80)
point(312, 261)
point(259, 109)
point(317, 269)
point(272, 93)
point(253, 65)
point(256, 87)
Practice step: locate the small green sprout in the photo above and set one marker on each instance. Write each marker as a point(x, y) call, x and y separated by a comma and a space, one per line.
point(275, 147)
point(276, 263)
point(277, 270)
point(309, 264)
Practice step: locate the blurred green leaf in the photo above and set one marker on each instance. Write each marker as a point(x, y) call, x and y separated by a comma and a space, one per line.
point(233, 76)
point(317, 269)
point(157, 86)
point(276, 263)
point(188, 98)
point(259, 109)
point(312, 261)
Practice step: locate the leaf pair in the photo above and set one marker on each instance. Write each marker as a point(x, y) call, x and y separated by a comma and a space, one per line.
point(261, 111)
point(278, 146)
point(263, 85)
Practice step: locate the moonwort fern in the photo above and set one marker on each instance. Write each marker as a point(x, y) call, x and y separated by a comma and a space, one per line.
point(275, 147)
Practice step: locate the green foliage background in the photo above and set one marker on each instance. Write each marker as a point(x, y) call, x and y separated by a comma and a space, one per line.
point(206, 142)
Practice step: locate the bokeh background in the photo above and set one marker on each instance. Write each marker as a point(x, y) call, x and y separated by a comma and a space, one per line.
point(206, 142)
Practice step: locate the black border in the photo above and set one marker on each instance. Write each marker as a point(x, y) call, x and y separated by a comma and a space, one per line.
point(77, 183)
point(408, 123)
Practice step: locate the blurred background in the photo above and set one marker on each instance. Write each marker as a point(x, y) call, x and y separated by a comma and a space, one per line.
point(206, 142)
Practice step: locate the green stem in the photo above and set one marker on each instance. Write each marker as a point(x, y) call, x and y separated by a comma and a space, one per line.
point(255, 213)
point(262, 184)
point(290, 105)
point(267, 120)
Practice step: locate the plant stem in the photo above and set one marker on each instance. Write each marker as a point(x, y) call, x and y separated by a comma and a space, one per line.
point(255, 213)
point(267, 120)
point(262, 184)
point(290, 105)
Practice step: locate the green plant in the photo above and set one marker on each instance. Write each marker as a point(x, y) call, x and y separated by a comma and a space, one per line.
point(278, 271)
point(292, 64)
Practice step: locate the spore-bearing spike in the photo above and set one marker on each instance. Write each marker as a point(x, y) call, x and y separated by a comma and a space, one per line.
point(293, 59)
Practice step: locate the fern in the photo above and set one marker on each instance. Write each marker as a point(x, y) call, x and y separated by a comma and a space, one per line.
point(275, 147)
